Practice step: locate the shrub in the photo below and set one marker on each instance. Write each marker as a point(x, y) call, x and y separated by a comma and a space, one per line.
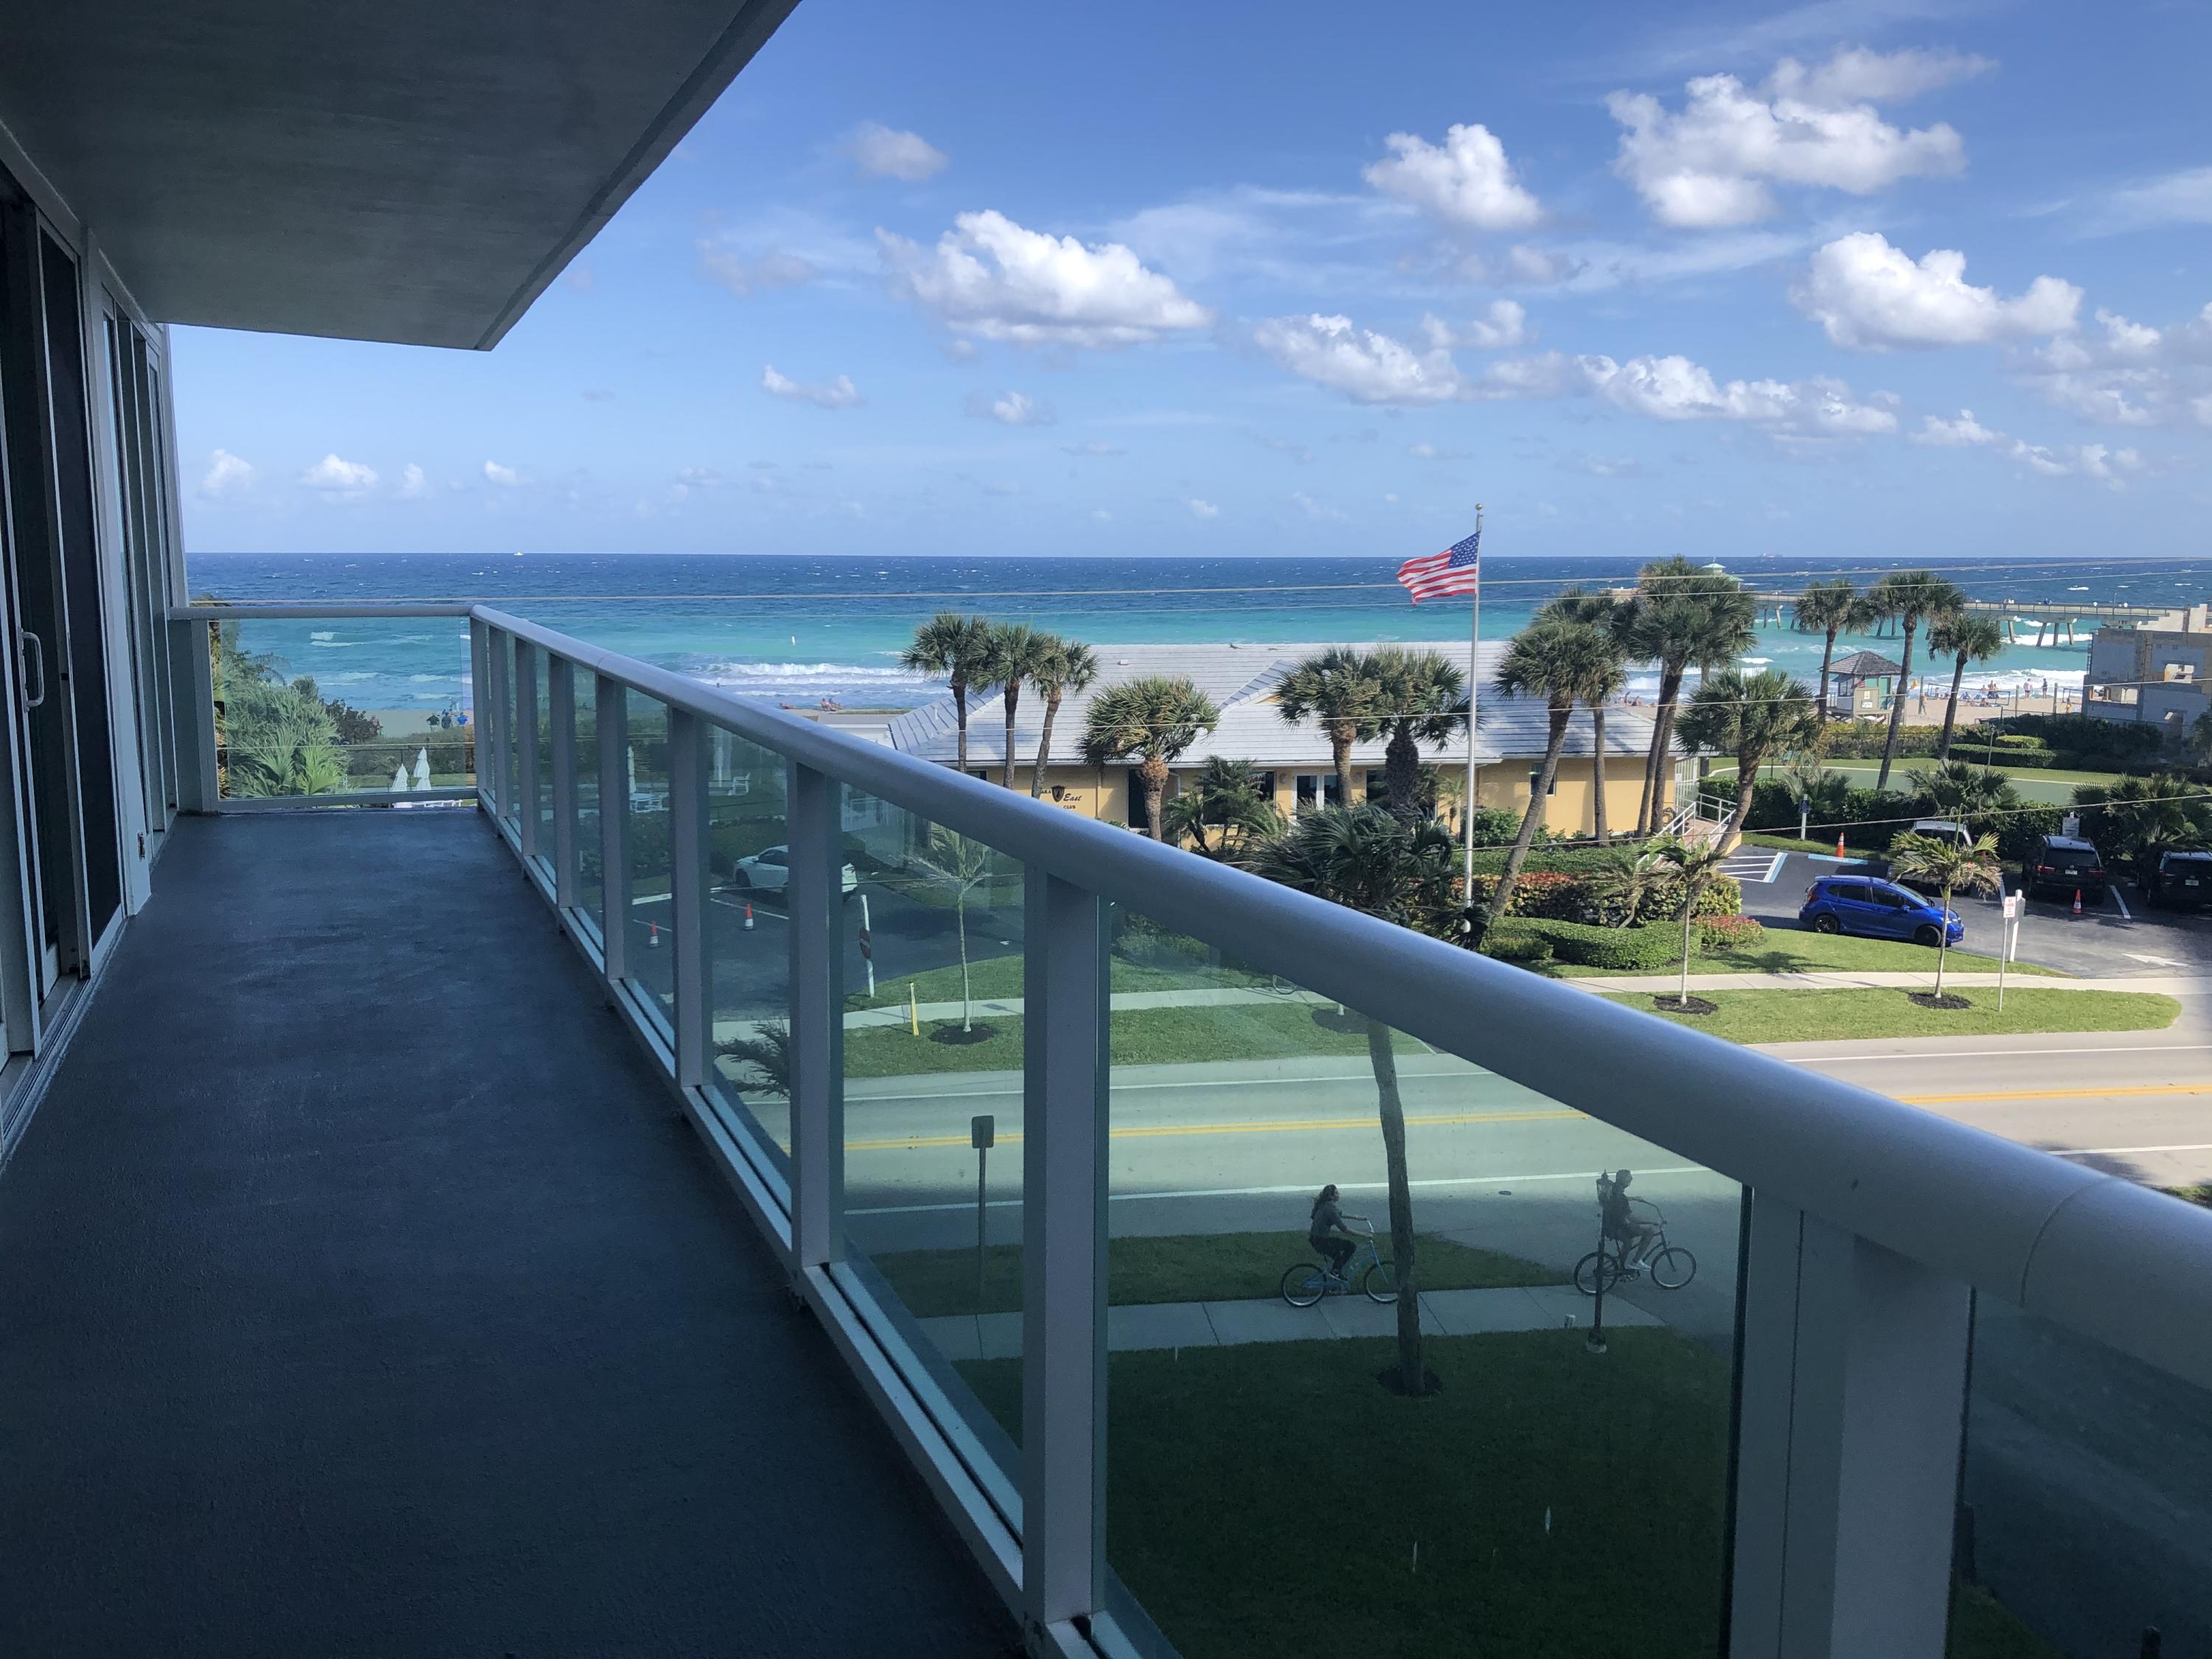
point(1565, 895)
point(1864, 739)
point(1510, 941)
point(2091, 743)
point(1638, 949)
point(1730, 933)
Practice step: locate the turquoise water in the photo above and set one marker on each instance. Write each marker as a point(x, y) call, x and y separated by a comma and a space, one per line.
point(796, 629)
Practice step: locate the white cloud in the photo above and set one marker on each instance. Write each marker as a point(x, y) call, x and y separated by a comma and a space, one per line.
point(775, 268)
point(840, 393)
point(1101, 515)
point(1504, 324)
point(1466, 181)
point(506, 478)
point(226, 474)
point(2202, 408)
point(884, 152)
point(1094, 447)
point(1010, 408)
point(342, 480)
point(699, 478)
point(990, 277)
point(1366, 367)
point(1429, 451)
point(1314, 509)
point(1534, 265)
point(2097, 463)
point(412, 484)
point(1711, 163)
point(2183, 198)
point(1674, 388)
point(1868, 294)
point(1204, 509)
point(2125, 372)
point(1963, 433)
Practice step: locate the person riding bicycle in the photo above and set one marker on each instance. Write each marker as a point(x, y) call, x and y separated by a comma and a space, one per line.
point(1324, 1231)
point(1620, 1223)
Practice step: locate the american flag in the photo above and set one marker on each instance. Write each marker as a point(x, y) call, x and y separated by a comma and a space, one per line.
point(1457, 569)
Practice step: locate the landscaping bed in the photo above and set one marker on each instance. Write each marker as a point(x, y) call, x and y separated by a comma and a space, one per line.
point(1814, 1016)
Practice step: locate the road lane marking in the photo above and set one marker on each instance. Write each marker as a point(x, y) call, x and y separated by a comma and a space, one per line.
point(1282, 1125)
point(1990, 1054)
point(968, 1207)
point(1194, 1083)
point(2116, 1151)
point(2059, 1094)
point(2126, 915)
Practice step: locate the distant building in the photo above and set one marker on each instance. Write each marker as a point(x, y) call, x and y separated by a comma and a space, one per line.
point(1242, 681)
point(1862, 684)
point(2153, 674)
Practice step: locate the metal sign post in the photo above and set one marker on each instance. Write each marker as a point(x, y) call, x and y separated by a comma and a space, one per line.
point(982, 1130)
point(868, 947)
point(2008, 944)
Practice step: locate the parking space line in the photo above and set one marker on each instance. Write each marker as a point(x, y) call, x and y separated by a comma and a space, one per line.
point(2120, 899)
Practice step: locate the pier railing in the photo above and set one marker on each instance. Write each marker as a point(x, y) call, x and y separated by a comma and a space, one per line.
point(1025, 1102)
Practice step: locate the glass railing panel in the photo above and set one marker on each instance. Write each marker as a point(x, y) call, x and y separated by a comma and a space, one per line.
point(510, 772)
point(748, 922)
point(2087, 1500)
point(1273, 1488)
point(342, 706)
point(542, 691)
point(933, 1044)
point(590, 857)
point(652, 922)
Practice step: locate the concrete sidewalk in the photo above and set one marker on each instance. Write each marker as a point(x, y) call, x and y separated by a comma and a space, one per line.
point(1225, 1324)
point(2171, 985)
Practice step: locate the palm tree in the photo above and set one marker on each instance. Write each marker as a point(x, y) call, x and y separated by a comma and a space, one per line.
point(2146, 816)
point(1967, 639)
point(1069, 666)
point(1951, 866)
point(1623, 881)
point(1226, 796)
point(1564, 663)
point(1810, 783)
point(1829, 608)
point(766, 1055)
point(1017, 652)
point(1960, 789)
point(1909, 597)
point(957, 865)
point(1403, 871)
point(1695, 864)
point(1600, 610)
point(1750, 716)
point(2199, 741)
point(1153, 720)
point(1423, 701)
point(1337, 688)
point(1681, 618)
point(958, 647)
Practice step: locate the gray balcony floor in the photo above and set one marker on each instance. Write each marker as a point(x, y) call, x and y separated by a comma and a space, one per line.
point(360, 1294)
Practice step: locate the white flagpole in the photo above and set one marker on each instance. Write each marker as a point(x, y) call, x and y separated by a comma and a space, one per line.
point(1473, 679)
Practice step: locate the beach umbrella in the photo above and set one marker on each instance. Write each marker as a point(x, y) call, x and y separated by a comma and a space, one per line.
point(422, 768)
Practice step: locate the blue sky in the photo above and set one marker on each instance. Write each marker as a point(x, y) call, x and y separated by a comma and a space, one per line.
point(1275, 279)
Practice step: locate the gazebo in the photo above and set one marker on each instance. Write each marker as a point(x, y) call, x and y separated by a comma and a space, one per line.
point(1862, 684)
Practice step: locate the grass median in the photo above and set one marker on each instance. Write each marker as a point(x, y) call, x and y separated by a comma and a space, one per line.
point(1814, 1016)
point(1001, 977)
point(1140, 1036)
point(1180, 1267)
point(1788, 951)
point(1273, 1499)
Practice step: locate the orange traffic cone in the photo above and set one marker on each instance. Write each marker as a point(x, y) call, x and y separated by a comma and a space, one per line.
point(1839, 845)
point(748, 918)
point(652, 934)
point(2077, 901)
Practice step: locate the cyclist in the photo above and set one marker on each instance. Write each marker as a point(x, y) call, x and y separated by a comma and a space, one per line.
point(1323, 1231)
point(1623, 1225)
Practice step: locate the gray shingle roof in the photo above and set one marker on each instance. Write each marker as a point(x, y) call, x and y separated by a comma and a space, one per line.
point(1864, 666)
point(1241, 679)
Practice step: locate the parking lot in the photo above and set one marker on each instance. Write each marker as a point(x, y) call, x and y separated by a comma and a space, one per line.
point(2123, 936)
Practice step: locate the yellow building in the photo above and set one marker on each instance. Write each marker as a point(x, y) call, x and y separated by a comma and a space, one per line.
point(1242, 681)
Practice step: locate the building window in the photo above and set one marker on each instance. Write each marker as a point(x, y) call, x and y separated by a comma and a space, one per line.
point(1536, 772)
point(1318, 789)
point(1378, 784)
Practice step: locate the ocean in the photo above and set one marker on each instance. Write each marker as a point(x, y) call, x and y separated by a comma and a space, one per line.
point(796, 629)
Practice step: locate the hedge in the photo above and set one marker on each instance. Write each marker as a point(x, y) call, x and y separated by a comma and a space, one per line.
point(1872, 818)
point(1563, 896)
point(1730, 933)
point(1641, 949)
point(1510, 941)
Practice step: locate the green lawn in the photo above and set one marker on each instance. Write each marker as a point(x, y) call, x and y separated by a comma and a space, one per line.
point(1140, 1036)
point(2041, 786)
point(1274, 1499)
point(1001, 977)
point(1840, 1016)
point(1786, 950)
point(1189, 1267)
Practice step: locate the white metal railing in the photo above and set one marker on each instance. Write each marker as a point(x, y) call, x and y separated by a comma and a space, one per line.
point(1867, 1221)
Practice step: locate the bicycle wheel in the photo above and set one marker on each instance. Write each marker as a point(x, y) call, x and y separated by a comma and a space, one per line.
point(1303, 1285)
point(1673, 1267)
point(1381, 1282)
point(1587, 1272)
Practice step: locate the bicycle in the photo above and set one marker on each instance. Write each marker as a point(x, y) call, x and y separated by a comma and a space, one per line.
point(1304, 1282)
point(1670, 1266)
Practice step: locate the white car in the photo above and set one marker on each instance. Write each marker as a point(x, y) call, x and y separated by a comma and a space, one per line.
point(769, 870)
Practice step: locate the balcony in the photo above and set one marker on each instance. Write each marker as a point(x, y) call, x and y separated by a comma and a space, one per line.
point(363, 1200)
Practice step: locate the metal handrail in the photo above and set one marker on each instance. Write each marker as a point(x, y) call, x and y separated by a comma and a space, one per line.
point(2093, 1251)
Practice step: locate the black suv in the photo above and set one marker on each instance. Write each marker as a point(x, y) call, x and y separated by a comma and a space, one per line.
point(2064, 865)
point(2180, 881)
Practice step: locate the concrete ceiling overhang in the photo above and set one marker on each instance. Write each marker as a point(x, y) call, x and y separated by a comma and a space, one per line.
point(415, 171)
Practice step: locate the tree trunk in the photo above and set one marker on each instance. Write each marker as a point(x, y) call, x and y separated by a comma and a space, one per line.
point(1647, 811)
point(1827, 656)
point(1951, 711)
point(1597, 773)
point(1013, 692)
point(1155, 774)
point(1689, 911)
point(1897, 703)
point(1553, 743)
point(1401, 774)
point(967, 1004)
point(1746, 780)
point(1943, 940)
point(1044, 746)
point(1391, 1111)
point(960, 718)
point(1340, 748)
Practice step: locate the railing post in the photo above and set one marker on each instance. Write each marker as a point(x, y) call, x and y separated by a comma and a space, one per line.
point(560, 696)
point(479, 736)
point(1064, 1171)
point(1853, 1388)
point(815, 902)
point(500, 651)
point(687, 895)
point(191, 680)
point(613, 712)
point(525, 749)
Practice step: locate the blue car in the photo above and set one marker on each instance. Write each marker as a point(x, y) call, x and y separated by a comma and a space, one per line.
point(1877, 909)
